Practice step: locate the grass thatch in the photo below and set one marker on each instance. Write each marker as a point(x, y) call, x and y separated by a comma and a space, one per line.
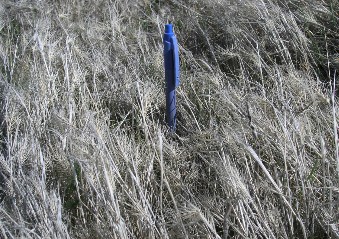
point(86, 153)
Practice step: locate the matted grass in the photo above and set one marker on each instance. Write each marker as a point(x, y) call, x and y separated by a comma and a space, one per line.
point(85, 152)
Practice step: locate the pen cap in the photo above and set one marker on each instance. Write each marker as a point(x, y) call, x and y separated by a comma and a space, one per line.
point(168, 28)
point(168, 32)
point(171, 46)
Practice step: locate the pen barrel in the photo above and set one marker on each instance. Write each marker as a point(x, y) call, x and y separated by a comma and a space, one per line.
point(170, 85)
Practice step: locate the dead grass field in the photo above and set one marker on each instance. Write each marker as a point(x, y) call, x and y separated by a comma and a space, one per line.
point(85, 152)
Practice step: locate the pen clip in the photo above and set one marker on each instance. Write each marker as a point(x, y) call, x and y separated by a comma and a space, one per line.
point(175, 61)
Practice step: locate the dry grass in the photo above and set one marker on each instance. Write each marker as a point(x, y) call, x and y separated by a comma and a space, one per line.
point(86, 154)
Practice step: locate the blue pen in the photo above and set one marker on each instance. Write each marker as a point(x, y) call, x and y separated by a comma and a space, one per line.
point(171, 62)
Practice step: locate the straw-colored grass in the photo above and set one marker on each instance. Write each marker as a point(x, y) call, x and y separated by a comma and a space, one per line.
point(85, 152)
